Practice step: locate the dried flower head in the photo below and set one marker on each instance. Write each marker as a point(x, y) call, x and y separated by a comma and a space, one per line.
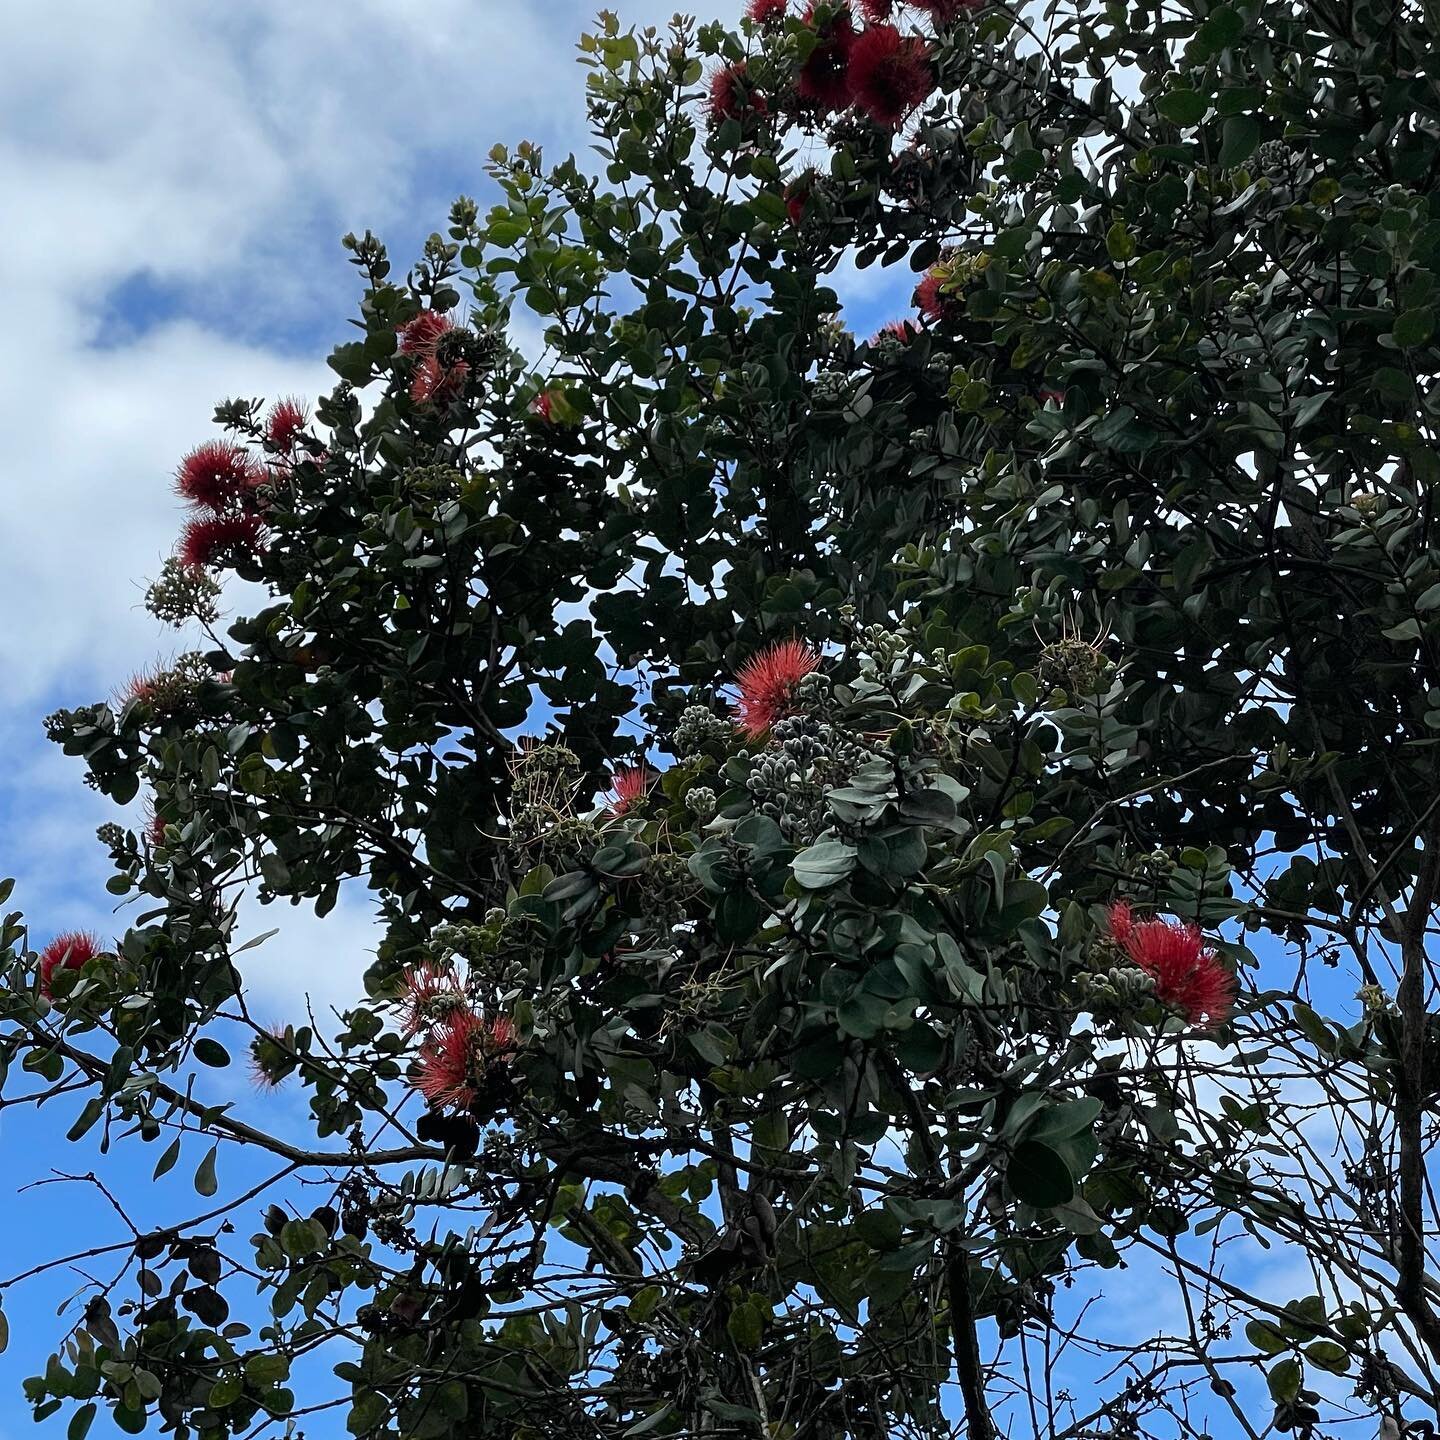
point(272, 1060)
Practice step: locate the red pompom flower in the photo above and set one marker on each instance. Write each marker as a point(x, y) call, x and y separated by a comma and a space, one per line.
point(434, 381)
point(798, 194)
point(455, 1059)
point(628, 786)
point(421, 338)
point(765, 12)
point(68, 951)
point(732, 97)
point(767, 684)
point(933, 302)
point(889, 74)
point(823, 77)
point(213, 538)
point(1122, 922)
point(139, 688)
point(285, 421)
point(942, 12)
point(902, 330)
point(1187, 973)
point(421, 335)
point(877, 11)
point(217, 474)
point(429, 994)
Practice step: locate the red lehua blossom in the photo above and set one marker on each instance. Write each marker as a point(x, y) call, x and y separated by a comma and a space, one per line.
point(889, 74)
point(285, 421)
point(941, 12)
point(764, 12)
point(68, 951)
point(453, 1060)
point(429, 994)
point(1187, 974)
point(138, 688)
point(421, 335)
point(448, 1062)
point(434, 381)
point(1122, 921)
point(543, 406)
point(767, 684)
point(627, 788)
point(216, 474)
point(824, 75)
point(212, 538)
point(731, 95)
point(155, 828)
point(902, 330)
point(933, 301)
point(877, 11)
point(797, 196)
point(502, 1040)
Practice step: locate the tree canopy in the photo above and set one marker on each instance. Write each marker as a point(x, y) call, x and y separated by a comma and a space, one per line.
point(880, 846)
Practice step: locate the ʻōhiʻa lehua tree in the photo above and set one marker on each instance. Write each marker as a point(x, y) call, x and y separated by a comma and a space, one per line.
point(863, 1042)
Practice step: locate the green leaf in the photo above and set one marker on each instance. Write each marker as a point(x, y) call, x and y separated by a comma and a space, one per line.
point(1238, 140)
point(1038, 1176)
point(824, 864)
point(1414, 327)
point(1284, 1381)
point(1265, 1337)
point(81, 1421)
point(645, 1303)
point(225, 1392)
point(1223, 27)
point(94, 1108)
point(746, 1326)
point(879, 1228)
point(212, 1053)
point(652, 1421)
point(205, 1181)
point(367, 1413)
point(1328, 1356)
point(1059, 1122)
point(1183, 107)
